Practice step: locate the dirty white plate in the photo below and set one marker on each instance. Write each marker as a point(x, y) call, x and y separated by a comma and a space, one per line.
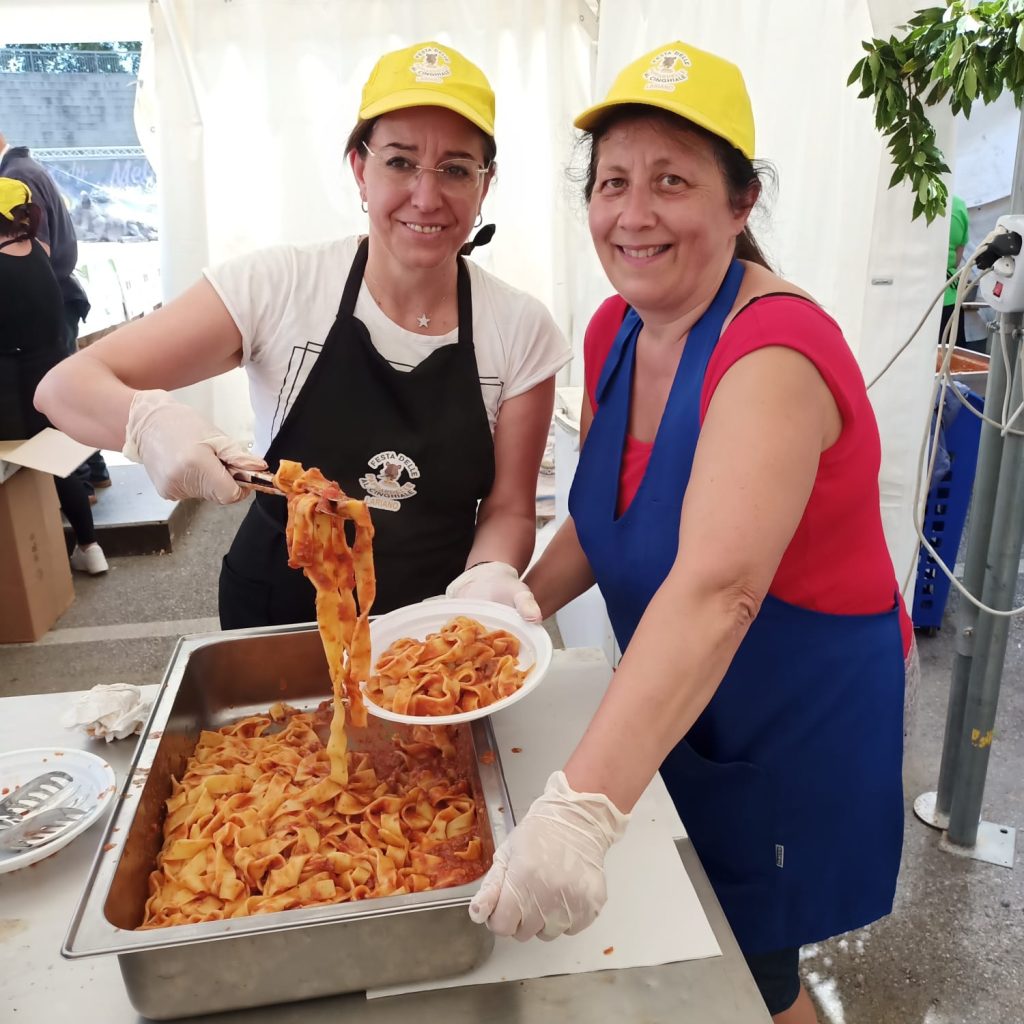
point(417, 620)
point(93, 779)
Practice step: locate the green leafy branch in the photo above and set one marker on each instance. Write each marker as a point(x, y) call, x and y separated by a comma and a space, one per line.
point(963, 52)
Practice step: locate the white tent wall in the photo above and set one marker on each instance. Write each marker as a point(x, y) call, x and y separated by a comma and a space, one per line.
point(72, 21)
point(834, 227)
point(169, 122)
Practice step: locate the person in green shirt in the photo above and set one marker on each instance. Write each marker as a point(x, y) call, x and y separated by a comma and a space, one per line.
point(957, 241)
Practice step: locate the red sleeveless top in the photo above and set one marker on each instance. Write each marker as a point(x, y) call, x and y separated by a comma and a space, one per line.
point(837, 561)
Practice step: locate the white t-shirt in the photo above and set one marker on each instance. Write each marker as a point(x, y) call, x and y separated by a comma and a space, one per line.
point(285, 299)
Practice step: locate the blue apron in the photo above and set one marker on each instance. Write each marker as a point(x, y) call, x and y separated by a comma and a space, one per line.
point(789, 783)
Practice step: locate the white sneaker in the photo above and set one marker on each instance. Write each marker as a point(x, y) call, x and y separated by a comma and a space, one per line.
point(90, 560)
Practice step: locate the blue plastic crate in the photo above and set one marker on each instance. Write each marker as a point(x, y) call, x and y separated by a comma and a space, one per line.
point(945, 514)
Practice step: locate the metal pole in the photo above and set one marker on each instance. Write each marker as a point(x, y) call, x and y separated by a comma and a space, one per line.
point(972, 701)
point(970, 763)
point(992, 630)
point(986, 480)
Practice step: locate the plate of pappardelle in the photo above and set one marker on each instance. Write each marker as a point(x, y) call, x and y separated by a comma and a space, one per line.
point(451, 660)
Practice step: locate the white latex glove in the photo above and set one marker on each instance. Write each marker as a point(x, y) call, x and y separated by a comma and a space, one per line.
point(548, 876)
point(496, 581)
point(184, 454)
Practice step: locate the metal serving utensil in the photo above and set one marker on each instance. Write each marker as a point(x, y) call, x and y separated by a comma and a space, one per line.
point(264, 482)
point(39, 829)
point(38, 794)
point(257, 481)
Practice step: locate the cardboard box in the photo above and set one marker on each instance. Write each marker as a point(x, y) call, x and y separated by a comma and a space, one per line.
point(35, 576)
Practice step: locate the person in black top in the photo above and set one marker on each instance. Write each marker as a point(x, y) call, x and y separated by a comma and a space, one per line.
point(31, 342)
point(57, 232)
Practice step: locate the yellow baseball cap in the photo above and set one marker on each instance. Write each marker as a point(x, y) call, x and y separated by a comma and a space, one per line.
point(688, 82)
point(12, 195)
point(429, 75)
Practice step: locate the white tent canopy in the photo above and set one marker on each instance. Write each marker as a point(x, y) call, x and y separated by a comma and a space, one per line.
point(244, 107)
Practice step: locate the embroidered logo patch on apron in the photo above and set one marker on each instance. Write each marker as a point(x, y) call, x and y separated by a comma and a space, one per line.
point(385, 488)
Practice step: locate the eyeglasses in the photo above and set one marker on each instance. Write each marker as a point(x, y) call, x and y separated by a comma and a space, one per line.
point(456, 177)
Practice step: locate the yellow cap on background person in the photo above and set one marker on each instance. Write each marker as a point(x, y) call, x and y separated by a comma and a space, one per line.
point(429, 75)
point(692, 83)
point(12, 195)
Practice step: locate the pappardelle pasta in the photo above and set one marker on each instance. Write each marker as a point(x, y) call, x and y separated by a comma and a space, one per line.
point(258, 824)
point(266, 817)
point(461, 667)
point(317, 544)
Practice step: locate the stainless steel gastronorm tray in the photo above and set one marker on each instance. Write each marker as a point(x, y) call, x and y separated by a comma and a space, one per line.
point(185, 970)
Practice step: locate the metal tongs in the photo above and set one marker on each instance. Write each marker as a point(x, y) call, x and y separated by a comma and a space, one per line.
point(39, 811)
point(39, 794)
point(264, 483)
point(40, 829)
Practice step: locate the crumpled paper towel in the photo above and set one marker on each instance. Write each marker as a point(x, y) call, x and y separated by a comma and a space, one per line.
point(109, 711)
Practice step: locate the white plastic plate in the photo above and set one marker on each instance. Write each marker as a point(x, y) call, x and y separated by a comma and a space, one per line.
point(417, 620)
point(94, 781)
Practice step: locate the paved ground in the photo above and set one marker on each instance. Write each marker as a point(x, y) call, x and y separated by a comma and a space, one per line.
point(951, 953)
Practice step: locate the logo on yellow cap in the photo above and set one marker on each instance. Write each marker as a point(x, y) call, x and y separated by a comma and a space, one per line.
point(668, 71)
point(431, 64)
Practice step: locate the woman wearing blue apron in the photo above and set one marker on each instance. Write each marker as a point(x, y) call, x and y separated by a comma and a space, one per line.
point(726, 504)
point(418, 381)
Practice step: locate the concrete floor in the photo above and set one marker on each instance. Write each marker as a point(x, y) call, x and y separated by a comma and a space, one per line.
point(951, 953)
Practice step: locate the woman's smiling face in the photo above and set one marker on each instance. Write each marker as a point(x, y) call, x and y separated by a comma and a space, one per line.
point(660, 215)
point(424, 225)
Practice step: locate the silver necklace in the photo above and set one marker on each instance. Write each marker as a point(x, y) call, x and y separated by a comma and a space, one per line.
point(422, 321)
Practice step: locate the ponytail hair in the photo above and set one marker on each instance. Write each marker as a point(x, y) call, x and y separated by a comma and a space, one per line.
point(24, 220)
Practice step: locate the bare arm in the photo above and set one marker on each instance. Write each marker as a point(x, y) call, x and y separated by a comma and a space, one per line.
point(190, 339)
point(507, 522)
point(562, 573)
point(771, 417)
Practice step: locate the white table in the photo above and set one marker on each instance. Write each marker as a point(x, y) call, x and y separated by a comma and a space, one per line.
point(37, 986)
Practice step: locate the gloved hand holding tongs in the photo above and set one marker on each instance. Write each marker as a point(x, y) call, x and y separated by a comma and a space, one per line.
point(185, 455)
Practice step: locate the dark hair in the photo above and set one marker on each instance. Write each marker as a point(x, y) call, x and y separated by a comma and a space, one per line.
point(364, 129)
point(739, 172)
point(19, 223)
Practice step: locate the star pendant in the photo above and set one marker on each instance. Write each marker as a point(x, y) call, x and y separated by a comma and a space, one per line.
point(423, 320)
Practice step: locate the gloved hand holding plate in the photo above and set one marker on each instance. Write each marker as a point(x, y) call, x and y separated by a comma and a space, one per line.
point(451, 660)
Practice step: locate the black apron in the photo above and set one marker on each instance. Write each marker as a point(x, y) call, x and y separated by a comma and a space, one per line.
point(415, 445)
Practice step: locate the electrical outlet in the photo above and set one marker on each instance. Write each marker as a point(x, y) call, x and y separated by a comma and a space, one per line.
point(1003, 288)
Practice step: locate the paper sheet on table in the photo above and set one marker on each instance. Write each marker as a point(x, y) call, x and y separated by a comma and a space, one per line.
point(652, 915)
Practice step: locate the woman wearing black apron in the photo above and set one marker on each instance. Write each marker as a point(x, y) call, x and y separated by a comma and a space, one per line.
point(419, 382)
point(352, 406)
point(726, 503)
